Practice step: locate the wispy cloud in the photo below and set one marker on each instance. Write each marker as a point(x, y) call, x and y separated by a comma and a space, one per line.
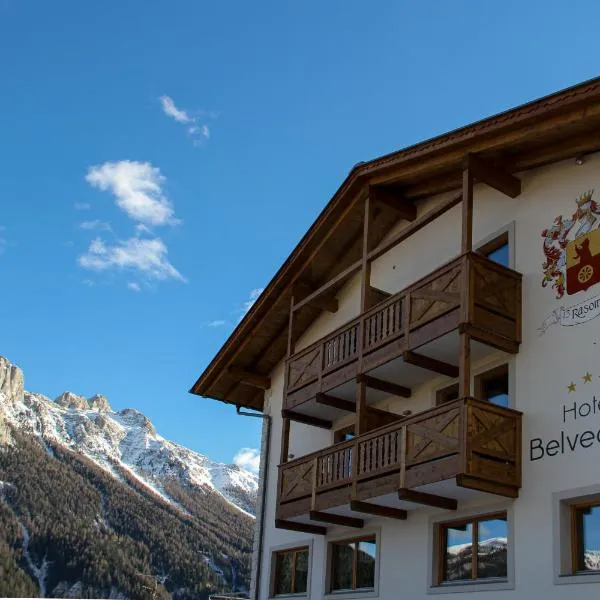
point(96, 224)
point(138, 189)
point(252, 298)
point(217, 323)
point(248, 459)
point(146, 257)
point(196, 129)
point(82, 206)
point(172, 111)
point(132, 285)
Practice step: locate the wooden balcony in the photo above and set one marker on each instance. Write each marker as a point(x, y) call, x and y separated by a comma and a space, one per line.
point(470, 293)
point(438, 457)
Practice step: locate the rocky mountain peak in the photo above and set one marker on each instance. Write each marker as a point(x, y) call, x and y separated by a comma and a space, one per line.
point(135, 417)
point(11, 381)
point(100, 403)
point(71, 400)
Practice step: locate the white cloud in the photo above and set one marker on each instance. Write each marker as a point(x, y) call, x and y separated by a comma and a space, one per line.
point(147, 257)
point(196, 129)
point(248, 459)
point(138, 190)
point(217, 323)
point(132, 285)
point(141, 228)
point(97, 224)
point(82, 206)
point(252, 298)
point(172, 111)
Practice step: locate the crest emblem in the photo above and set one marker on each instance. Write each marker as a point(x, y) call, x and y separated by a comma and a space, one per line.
point(572, 249)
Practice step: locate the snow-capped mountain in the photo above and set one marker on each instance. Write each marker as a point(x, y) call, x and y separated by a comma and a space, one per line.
point(116, 441)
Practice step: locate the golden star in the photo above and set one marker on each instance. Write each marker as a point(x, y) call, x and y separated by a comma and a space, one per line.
point(587, 378)
point(571, 387)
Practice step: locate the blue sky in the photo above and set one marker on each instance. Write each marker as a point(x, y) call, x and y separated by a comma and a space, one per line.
point(159, 161)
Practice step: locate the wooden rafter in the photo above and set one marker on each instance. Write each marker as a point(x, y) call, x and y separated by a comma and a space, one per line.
point(306, 419)
point(427, 499)
point(431, 364)
point(492, 175)
point(395, 199)
point(323, 517)
point(327, 301)
point(252, 379)
point(378, 510)
point(335, 402)
point(302, 527)
point(384, 386)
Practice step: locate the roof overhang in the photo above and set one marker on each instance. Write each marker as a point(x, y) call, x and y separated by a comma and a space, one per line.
point(553, 128)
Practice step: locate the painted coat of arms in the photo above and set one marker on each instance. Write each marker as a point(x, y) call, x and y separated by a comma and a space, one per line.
point(572, 260)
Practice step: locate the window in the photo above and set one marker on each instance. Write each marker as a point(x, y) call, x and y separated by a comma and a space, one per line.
point(291, 571)
point(586, 537)
point(344, 434)
point(447, 394)
point(492, 386)
point(497, 249)
point(353, 564)
point(473, 549)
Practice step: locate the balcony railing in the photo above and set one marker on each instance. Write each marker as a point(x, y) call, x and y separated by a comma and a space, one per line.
point(476, 443)
point(471, 290)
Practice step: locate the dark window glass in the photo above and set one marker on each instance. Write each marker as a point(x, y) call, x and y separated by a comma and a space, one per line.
point(491, 548)
point(458, 553)
point(588, 528)
point(495, 390)
point(474, 549)
point(342, 557)
point(365, 571)
point(500, 254)
point(291, 571)
point(284, 573)
point(353, 564)
point(447, 394)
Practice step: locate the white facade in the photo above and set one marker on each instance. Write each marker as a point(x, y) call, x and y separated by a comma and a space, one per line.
point(554, 381)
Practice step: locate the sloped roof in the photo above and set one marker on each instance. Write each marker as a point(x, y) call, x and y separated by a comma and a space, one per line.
point(552, 128)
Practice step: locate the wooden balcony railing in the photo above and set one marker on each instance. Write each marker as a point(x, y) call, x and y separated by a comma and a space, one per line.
point(471, 290)
point(476, 443)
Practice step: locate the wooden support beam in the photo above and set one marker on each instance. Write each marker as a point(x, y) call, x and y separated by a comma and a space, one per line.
point(317, 515)
point(253, 379)
point(339, 279)
point(490, 174)
point(431, 364)
point(378, 510)
point(361, 409)
point(365, 278)
point(384, 386)
point(302, 527)
point(285, 442)
point(467, 211)
point(417, 224)
point(395, 199)
point(306, 419)
point(334, 402)
point(464, 378)
point(326, 301)
point(427, 499)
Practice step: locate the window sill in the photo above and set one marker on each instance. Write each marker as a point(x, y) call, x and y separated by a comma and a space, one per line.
point(489, 585)
point(592, 577)
point(352, 594)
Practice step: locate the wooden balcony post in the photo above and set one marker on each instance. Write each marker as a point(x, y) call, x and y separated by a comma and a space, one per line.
point(291, 340)
point(365, 280)
point(464, 366)
point(467, 210)
point(361, 407)
point(285, 441)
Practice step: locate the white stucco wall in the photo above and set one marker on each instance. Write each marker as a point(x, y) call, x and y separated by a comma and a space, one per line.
point(545, 366)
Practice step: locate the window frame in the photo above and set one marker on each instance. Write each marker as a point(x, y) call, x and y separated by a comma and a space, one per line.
point(372, 592)
point(442, 528)
point(502, 236)
point(479, 585)
point(275, 552)
point(338, 434)
point(576, 510)
point(482, 378)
